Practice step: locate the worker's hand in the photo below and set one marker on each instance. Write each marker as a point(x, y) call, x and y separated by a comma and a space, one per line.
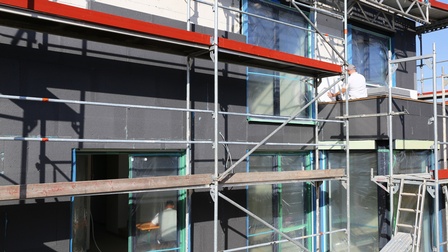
point(330, 94)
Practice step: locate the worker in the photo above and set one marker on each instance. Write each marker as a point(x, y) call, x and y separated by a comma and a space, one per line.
point(356, 85)
point(167, 220)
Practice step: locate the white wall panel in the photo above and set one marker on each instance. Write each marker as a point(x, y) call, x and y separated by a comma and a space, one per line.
point(201, 14)
point(76, 3)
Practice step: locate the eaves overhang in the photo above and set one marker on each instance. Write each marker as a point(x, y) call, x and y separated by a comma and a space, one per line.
point(438, 14)
point(60, 19)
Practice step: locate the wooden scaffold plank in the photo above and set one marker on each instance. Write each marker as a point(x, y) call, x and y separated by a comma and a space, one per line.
point(111, 186)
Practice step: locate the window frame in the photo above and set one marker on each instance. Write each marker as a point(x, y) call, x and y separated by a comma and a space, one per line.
point(275, 90)
point(277, 198)
point(180, 204)
point(352, 27)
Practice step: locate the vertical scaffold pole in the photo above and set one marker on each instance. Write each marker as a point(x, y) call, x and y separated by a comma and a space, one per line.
point(347, 129)
point(188, 137)
point(216, 134)
point(435, 147)
point(391, 140)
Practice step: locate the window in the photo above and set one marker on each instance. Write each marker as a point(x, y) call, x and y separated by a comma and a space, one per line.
point(363, 203)
point(368, 52)
point(285, 206)
point(406, 162)
point(269, 92)
point(165, 209)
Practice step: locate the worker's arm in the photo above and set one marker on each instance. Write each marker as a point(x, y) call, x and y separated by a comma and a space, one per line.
point(330, 94)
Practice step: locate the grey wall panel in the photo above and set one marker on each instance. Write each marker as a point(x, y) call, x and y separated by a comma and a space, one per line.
point(404, 46)
point(64, 68)
point(413, 126)
point(233, 223)
point(35, 227)
point(330, 25)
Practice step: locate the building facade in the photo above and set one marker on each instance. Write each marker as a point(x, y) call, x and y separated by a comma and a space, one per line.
point(99, 96)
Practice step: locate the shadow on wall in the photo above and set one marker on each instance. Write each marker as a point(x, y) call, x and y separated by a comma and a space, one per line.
point(43, 227)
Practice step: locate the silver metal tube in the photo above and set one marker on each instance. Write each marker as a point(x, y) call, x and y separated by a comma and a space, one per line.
point(316, 157)
point(281, 144)
point(347, 129)
point(428, 56)
point(189, 142)
point(436, 156)
point(262, 221)
point(137, 141)
point(188, 137)
point(262, 142)
point(216, 121)
point(188, 15)
point(278, 118)
point(444, 120)
point(106, 104)
point(371, 115)
point(389, 125)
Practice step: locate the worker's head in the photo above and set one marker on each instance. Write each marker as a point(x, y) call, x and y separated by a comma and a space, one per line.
point(351, 69)
point(169, 204)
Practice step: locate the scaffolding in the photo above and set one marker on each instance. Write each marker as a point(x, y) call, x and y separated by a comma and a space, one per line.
point(196, 45)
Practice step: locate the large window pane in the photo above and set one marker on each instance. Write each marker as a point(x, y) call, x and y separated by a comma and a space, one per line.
point(261, 92)
point(407, 162)
point(274, 35)
point(156, 215)
point(363, 203)
point(271, 93)
point(260, 202)
point(285, 206)
point(274, 93)
point(369, 55)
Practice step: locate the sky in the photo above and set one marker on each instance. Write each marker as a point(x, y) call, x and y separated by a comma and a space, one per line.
point(439, 38)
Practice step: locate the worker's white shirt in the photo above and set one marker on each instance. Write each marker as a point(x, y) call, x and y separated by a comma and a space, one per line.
point(168, 224)
point(356, 86)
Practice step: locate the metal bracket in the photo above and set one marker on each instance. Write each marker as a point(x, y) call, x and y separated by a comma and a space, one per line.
point(395, 188)
point(344, 184)
point(393, 67)
point(212, 193)
point(212, 55)
point(428, 63)
point(375, 180)
point(431, 190)
point(316, 183)
point(404, 112)
point(189, 62)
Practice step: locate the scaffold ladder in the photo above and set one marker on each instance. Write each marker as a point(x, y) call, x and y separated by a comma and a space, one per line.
point(407, 235)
